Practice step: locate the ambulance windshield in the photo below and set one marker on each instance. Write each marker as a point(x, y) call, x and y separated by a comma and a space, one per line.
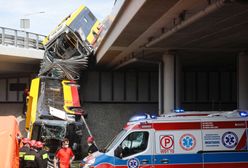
point(115, 140)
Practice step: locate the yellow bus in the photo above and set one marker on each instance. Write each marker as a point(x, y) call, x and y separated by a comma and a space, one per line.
point(54, 112)
point(82, 22)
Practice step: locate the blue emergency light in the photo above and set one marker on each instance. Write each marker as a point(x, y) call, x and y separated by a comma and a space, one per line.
point(243, 113)
point(178, 110)
point(142, 116)
point(153, 116)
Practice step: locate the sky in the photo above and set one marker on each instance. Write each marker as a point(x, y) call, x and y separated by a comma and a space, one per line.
point(11, 11)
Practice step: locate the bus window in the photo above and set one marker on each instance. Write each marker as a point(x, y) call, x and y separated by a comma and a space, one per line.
point(91, 16)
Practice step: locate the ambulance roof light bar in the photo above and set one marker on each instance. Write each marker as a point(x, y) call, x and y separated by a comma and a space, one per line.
point(178, 110)
point(142, 116)
point(243, 113)
point(235, 114)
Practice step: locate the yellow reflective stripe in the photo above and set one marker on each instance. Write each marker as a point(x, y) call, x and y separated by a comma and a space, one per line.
point(29, 157)
point(21, 154)
point(45, 156)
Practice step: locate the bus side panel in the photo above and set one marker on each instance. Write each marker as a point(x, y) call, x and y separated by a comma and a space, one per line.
point(71, 95)
point(33, 103)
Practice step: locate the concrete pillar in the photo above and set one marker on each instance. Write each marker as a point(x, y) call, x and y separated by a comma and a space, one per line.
point(169, 90)
point(242, 81)
point(178, 81)
point(161, 88)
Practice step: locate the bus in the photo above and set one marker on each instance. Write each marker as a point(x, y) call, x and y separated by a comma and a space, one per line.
point(82, 22)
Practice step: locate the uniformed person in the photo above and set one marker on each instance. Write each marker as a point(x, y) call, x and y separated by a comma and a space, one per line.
point(43, 154)
point(92, 147)
point(31, 159)
point(23, 150)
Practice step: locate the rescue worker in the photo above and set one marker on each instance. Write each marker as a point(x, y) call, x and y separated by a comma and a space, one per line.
point(31, 159)
point(64, 155)
point(23, 150)
point(24, 99)
point(43, 154)
point(92, 147)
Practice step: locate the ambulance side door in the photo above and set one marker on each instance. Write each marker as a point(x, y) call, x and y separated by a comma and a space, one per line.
point(178, 144)
point(136, 150)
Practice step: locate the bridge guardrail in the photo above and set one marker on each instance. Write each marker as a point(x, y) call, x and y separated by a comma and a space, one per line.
point(20, 38)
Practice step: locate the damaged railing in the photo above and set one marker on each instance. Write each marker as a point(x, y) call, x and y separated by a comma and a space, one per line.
point(20, 38)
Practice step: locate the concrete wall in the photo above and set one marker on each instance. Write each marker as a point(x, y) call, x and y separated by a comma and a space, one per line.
point(242, 81)
point(111, 98)
point(11, 88)
point(119, 86)
point(106, 120)
point(209, 83)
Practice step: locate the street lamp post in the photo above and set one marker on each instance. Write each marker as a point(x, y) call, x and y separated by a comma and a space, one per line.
point(25, 22)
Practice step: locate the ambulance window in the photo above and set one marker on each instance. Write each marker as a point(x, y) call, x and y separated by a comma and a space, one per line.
point(135, 142)
point(115, 140)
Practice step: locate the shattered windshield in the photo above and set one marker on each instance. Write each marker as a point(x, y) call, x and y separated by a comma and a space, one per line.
point(51, 95)
point(53, 132)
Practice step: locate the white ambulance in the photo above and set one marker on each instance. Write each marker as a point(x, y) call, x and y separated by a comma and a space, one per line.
point(178, 140)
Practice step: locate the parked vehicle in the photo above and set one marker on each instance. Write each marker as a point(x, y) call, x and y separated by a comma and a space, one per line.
point(178, 140)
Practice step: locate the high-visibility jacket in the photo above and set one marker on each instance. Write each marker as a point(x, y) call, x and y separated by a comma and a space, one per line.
point(44, 158)
point(23, 151)
point(32, 159)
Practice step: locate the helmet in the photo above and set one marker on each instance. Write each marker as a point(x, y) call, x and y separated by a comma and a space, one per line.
point(39, 144)
point(25, 140)
point(32, 143)
point(90, 139)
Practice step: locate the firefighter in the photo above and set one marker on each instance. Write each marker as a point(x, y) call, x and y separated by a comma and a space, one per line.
point(23, 150)
point(31, 159)
point(92, 147)
point(43, 154)
point(25, 97)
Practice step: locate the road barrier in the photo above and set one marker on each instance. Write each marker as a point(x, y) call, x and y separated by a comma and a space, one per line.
point(20, 38)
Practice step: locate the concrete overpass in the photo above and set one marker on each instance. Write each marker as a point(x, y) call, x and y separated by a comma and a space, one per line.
point(156, 26)
point(201, 45)
point(20, 56)
point(160, 55)
point(20, 51)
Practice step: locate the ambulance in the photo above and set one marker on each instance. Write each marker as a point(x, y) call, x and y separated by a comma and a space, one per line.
point(178, 140)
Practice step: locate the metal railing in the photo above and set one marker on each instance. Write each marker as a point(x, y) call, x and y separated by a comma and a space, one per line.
point(20, 38)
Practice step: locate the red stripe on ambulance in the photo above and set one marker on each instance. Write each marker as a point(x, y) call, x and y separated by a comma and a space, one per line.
point(242, 143)
point(179, 166)
point(223, 124)
point(226, 165)
point(177, 126)
point(106, 165)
